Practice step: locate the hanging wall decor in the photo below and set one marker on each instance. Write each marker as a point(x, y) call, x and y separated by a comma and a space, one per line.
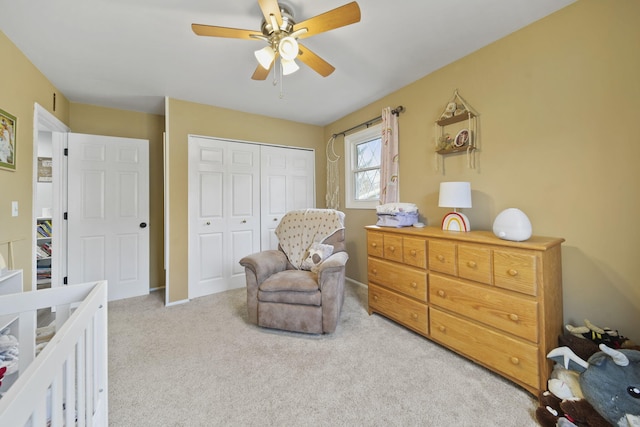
point(463, 138)
point(7, 141)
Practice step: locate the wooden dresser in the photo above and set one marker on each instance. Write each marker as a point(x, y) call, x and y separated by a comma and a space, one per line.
point(496, 302)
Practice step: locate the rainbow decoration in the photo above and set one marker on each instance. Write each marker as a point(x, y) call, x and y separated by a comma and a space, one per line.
point(456, 221)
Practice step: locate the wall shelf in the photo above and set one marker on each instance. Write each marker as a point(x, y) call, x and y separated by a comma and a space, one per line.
point(464, 140)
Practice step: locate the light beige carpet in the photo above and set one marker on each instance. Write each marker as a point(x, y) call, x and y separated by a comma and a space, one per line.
point(202, 364)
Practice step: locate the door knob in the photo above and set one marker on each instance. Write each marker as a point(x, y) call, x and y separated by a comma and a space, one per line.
point(143, 225)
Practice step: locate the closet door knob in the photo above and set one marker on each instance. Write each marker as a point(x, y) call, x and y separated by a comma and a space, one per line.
point(143, 225)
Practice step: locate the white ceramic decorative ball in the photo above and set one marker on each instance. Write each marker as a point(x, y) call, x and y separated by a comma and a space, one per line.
point(512, 224)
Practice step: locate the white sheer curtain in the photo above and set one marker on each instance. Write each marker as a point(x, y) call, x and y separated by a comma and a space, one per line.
point(389, 163)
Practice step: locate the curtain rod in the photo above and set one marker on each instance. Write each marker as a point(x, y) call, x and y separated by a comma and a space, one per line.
point(399, 109)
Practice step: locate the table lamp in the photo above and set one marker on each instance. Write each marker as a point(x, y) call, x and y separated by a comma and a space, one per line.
point(455, 195)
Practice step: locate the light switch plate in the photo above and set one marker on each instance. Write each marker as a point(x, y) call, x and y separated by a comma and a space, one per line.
point(14, 208)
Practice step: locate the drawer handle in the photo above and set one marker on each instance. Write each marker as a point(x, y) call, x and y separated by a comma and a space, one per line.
point(414, 316)
point(413, 252)
point(514, 317)
point(515, 360)
point(441, 293)
point(441, 258)
point(392, 248)
point(375, 245)
point(512, 272)
point(414, 285)
point(472, 264)
point(442, 329)
point(375, 298)
point(374, 271)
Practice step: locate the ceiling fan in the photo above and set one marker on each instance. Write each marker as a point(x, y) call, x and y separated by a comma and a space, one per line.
point(281, 33)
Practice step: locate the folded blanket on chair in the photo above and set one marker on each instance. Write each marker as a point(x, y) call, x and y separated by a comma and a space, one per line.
point(299, 229)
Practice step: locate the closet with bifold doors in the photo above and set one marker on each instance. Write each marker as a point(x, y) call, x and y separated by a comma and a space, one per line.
point(238, 192)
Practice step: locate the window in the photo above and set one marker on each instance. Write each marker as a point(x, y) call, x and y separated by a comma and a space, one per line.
point(362, 168)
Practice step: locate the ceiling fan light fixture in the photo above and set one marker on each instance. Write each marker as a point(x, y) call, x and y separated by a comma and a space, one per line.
point(265, 56)
point(289, 66)
point(288, 48)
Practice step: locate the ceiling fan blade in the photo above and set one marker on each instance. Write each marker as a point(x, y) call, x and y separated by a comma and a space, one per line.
point(318, 64)
point(336, 18)
point(271, 7)
point(262, 73)
point(213, 31)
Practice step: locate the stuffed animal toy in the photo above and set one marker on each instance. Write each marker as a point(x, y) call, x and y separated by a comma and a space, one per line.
point(600, 335)
point(610, 383)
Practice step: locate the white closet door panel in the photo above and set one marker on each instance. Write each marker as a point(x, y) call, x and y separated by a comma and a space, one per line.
point(211, 267)
point(287, 183)
point(276, 199)
point(241, 191)
point(224, 212)
point(300, 194)
point(210, 192)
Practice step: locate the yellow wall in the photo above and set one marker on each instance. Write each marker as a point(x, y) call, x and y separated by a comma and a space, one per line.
point(21, 86)
point(130, 124)
point(184, 118)
point(558, 101)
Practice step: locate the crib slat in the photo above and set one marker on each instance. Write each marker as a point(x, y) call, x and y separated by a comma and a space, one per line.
point(70, 390)
point(90, 402)
point(56, 400)
point(80, 370)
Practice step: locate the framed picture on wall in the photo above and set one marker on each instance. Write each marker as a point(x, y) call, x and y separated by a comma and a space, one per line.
point(7, 141)
point(44, 169)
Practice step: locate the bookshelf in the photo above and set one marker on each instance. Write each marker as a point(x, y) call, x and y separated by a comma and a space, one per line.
point(44, 234)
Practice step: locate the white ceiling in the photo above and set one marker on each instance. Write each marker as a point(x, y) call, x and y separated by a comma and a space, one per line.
point(130, 54)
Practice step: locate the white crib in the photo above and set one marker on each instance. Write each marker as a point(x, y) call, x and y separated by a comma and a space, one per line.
point(66, 384)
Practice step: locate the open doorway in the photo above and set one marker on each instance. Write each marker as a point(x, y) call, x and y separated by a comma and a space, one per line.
point(49, 185)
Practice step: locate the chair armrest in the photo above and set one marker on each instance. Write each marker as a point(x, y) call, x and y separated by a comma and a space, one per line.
point(336, 262)
point(264, 264)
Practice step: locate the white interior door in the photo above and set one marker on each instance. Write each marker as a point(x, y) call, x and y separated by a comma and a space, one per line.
point(108, 213)
point(224, 212)
point(287, 183)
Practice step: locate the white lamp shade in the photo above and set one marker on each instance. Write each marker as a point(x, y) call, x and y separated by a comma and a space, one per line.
point(288, 48)
point(289, 66)
point(265, 56)
point(455, 195)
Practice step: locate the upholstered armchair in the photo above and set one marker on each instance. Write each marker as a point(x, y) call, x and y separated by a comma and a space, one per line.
point(300, 286)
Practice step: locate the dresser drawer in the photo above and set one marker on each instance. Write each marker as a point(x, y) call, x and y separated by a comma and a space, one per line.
point(408, 312)
point(442, 257)
point(474, 263)
point(504, 354)
point(393, 247)
point(409, 281)
point(515, 271)
point(375, 244)
point(518, 316)
point(414, 252)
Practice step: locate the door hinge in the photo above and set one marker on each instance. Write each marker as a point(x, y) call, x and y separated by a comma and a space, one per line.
point(66, 151)
point(64, 281)
point(65, 216)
